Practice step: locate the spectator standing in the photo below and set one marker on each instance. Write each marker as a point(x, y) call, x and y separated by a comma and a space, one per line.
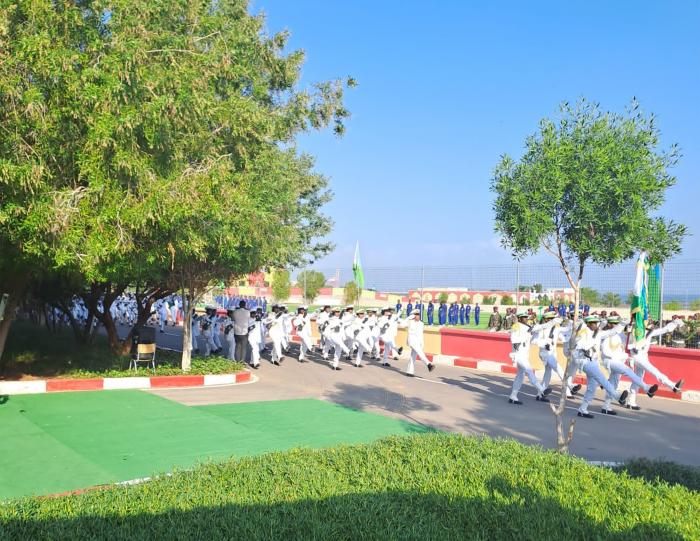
point(241, 318)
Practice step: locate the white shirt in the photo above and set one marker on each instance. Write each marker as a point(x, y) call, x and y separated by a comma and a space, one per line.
point(241, 318)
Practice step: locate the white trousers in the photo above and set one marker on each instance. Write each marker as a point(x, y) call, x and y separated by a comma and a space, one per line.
point(254, 353)
point(551, 365)
point(524, 367)
point(215, 335)
point(416, 352)
point(338, 348)
point(595, 378)
point(306, 346)
point(642, 365)
point(389, 350)
point(617, 369)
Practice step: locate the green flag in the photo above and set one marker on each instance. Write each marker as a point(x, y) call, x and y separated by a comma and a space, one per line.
point(654, 292)
point(640, 308)
point(357, 268)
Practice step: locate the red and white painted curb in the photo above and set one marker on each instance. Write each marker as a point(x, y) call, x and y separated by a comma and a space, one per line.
point(494, 366)
point(98, 384)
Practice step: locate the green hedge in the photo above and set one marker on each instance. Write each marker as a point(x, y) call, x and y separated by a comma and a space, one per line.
point(164, 367)
point(434, 486)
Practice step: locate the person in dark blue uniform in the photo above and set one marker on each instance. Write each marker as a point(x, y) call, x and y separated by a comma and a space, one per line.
point(551, 307)
point(571, 308)
point(586, 309)
point(467, 313)
point(477, 313)
point(461, 313)
point(409, 308)
point(398, 308)
point(431, 312)
point(562, 310)
point(455, 313)
point(442, 313)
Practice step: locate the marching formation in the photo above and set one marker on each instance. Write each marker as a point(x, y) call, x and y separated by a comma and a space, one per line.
point(592, 342)
point(344, 334)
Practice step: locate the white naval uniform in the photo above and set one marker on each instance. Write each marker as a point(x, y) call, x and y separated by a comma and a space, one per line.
point(254, 340)
point(415, 342)
point(546, 336)
point(275, 330)
point(586, 356)
point(362, 334)
point(388, 328)
point(520, 338)
point(640, 359)
point(335, 336)
point(612, 350)
point(302, 324)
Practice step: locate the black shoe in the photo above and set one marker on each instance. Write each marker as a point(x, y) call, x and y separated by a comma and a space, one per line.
point(677, 386)
point(652, 390)
point(575, 389)
point(386, 364)
point(608, 412)
point(336, 368)
point(410, 376)
point(276, 363)
point(586, 415)
point(623, 398)
point(358, 366)
point(162, 330)
point(635, 408)
point(256, 366)
point(302, 360)
point(516, 402)
point(541, 399)
point(400, 350)
point(431, 367)
point(546, 391)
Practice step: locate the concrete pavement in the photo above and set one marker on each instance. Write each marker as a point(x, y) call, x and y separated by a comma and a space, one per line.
point(466, 401)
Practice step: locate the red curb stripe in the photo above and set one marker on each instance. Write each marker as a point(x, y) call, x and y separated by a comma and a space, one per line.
point(465, 363)
point(243, 376)
point(509, 369)
point(58, 385)
point(177, 381)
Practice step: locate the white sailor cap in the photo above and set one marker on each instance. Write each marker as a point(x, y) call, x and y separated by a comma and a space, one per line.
point(415, 312)
point(349, 307)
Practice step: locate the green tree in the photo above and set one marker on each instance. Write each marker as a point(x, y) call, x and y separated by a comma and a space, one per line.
point(442, 297)
point(525, 302)
point(489, 299)
point(544, 300)
point(587, 190)
point(310, 282)
point(155, 146)
point(589, 296)
point(673, 306)
point(466, 299)
point(695, 304)
point(611, 299)
point(507, 300)
point(281, 285)
point(351, 293)
point(537, 288)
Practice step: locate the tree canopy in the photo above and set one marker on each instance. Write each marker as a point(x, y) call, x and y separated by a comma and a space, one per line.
point(155, 142)
point(310, 282)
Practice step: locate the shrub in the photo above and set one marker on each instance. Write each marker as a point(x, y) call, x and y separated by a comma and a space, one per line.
point(489, 299)
point(673, 305)
point(507, 300)
point(434, 486)
point(442, 297)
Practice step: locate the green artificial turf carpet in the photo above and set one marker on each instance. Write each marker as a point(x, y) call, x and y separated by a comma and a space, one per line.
point(57, 442)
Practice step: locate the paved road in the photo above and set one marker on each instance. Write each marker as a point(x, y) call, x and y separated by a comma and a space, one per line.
point(465, 401)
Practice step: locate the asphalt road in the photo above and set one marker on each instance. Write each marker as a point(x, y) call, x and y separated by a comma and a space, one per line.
point(466, 401)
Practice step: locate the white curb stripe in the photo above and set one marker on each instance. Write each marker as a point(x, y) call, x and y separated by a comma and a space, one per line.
point(444, 359)
point(691, 396)
point(219, 379)
point(127, 383)
point(23, 387)
point(489, 366)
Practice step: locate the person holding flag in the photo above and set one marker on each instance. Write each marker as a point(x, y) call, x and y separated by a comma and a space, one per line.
point(643, 331)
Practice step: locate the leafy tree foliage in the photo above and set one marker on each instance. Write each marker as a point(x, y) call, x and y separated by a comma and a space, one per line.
point(310, 282)
point(587, 189)
point(351, 293)
point(507, 300)
point(153, 145)
point(442, 297)
point(281, 285)
point(589, 296)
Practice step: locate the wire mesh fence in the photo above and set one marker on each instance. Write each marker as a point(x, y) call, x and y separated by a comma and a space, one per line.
point(523, 284)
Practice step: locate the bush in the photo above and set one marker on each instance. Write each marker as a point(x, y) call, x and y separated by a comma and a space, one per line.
point(466, 299)
point(673, 305)
point(661, 471)
point(165, 366)
point(525, 302)
point(507, 300)
point(695, 304)
point(489, 299)
point(434, 486)
point(442, 297)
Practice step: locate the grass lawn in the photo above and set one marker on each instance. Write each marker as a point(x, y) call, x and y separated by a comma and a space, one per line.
point(431, 486)
point(34, 351)
point(52, 443)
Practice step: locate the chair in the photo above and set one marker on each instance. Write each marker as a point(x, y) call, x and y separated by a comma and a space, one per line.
point(145, 353)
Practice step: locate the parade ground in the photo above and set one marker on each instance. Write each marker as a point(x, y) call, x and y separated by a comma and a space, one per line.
point(68, 441)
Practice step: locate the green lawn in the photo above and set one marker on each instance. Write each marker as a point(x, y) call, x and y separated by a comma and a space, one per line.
point(57, 442)
point(422, 487)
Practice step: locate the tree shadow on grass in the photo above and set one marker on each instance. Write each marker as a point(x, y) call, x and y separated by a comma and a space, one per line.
point(3, 399)
point(504, 512)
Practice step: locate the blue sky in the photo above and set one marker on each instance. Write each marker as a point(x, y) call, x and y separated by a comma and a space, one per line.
point(445, 88)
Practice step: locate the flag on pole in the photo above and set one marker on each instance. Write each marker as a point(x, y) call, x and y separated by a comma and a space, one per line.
point(357, 268)
point(640, 306)
point(655, 292)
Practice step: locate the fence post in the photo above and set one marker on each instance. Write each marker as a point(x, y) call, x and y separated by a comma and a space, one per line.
point(422, 278)
point(517, 285)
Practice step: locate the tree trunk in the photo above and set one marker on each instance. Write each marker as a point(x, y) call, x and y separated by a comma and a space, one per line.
point(188, 303)
point(564, 437)
point(16, 287)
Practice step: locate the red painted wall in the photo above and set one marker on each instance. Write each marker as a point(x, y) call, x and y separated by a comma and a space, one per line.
point(676, 363)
